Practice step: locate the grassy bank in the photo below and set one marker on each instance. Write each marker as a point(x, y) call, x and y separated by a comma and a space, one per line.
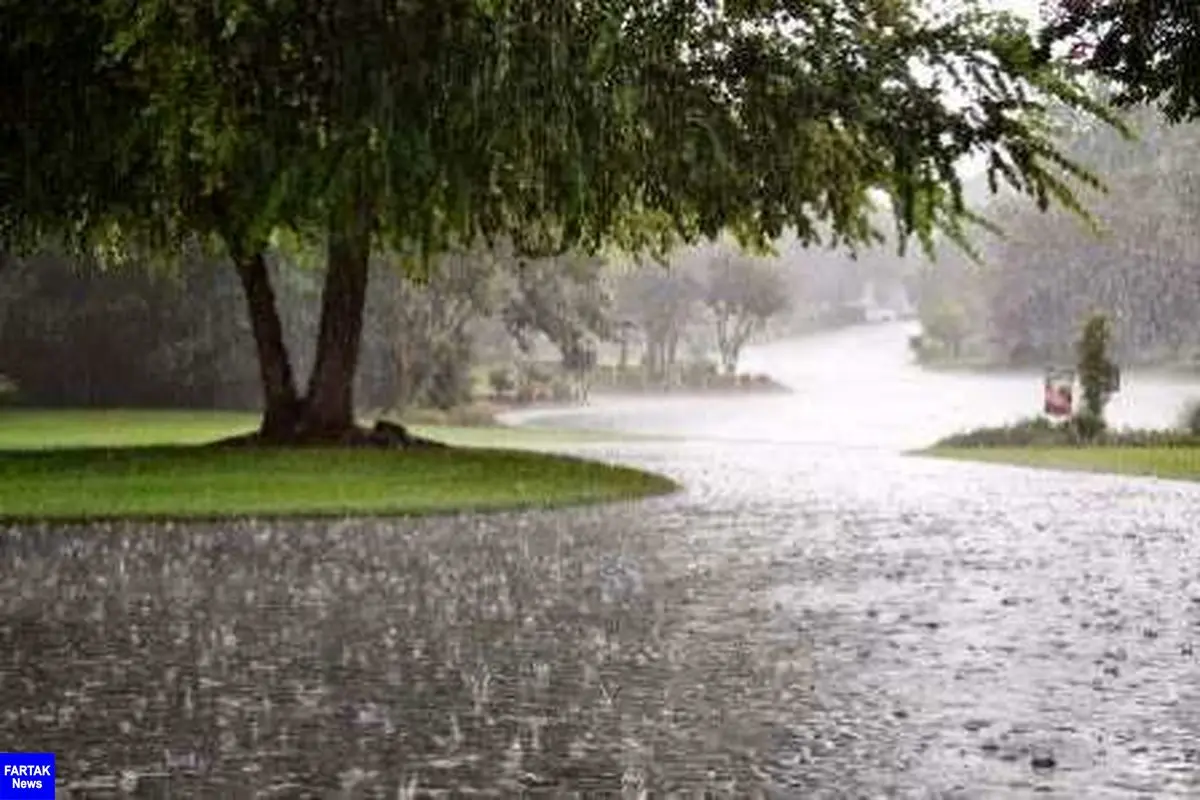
point(38, 430)
point(1179, 463)
point(137, 464)
point(1039, 443)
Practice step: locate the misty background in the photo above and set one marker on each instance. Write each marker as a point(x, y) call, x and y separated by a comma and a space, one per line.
point(72, 334)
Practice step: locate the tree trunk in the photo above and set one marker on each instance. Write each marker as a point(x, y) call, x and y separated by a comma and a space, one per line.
point(648, 367)
point(743, 329)
point(282, 407)
point(402, 397)
point(723, 345)
point(329, 403)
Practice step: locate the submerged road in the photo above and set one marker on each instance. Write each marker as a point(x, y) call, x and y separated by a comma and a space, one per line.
point(816, 615)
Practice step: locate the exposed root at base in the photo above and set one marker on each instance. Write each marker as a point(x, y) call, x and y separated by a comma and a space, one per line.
point(384, 436)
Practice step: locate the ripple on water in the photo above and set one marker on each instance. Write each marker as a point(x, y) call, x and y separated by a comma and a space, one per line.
point(801, 621)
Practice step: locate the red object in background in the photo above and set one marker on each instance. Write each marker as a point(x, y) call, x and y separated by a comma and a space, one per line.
point(1058, 400)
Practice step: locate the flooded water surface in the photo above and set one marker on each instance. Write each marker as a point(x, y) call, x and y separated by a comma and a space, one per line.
point(815, 615)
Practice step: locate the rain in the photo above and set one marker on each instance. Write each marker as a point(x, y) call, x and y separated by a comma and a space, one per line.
point(813, 601)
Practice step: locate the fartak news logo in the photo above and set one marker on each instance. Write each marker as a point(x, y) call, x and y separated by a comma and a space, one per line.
point(26, 776)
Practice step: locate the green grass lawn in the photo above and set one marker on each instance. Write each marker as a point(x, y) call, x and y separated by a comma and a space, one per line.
point(85, 465)
point(37, 430)
point(1180, 463)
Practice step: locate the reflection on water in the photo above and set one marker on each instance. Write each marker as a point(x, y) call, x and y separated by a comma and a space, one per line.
point(815, 616)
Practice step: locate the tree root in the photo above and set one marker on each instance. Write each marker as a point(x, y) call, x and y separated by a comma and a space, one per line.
point(383, 436)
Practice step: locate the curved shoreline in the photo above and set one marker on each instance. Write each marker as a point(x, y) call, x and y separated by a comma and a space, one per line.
point(1164, 463)
point(152, 479)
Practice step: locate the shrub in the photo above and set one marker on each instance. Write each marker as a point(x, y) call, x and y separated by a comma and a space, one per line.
point(449, 386)
point(501, 381)
point(926, 349)
point(1191, 417)
point(538, 373)
point(1097, 375)
point(1150, 438)
point(472, 416)
point(1027, 432)
point(699, 373)
point(1087, 426)
point(8, 391)
point(1083, 429)
point(630, 379)
point(560, 391)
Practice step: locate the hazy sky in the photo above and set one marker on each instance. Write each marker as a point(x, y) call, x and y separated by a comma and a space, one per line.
point(1026, 8)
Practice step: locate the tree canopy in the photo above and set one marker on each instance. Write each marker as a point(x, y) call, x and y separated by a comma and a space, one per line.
point(426, 126)
point(742, 293)
point(1150, 49)
point(1048, 272)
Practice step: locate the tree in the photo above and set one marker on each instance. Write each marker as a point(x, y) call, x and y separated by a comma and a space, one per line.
point(1047, 271)
point(429, 125)
point(659, 303)
point(564, 298)
point(66, 146)
point(123, 132)
point(424, 324)
point(1148, 49)
point(72, 335)
point(742, 293)
point(1097, 375)
point(945, 324)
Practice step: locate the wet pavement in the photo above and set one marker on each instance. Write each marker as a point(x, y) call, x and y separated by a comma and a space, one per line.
point(816, 615)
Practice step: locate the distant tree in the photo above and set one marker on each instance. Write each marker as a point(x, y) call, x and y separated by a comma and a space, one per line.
point(73, 335)
point(660, 303)
point(501, 381)
point(625, 330)
point(1048, 270)
point(424, 322)
point(945, 323)
point(1145, 53)
point(565, 298)
point(742, 293)
point(579, 363)
point(1097, 373)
